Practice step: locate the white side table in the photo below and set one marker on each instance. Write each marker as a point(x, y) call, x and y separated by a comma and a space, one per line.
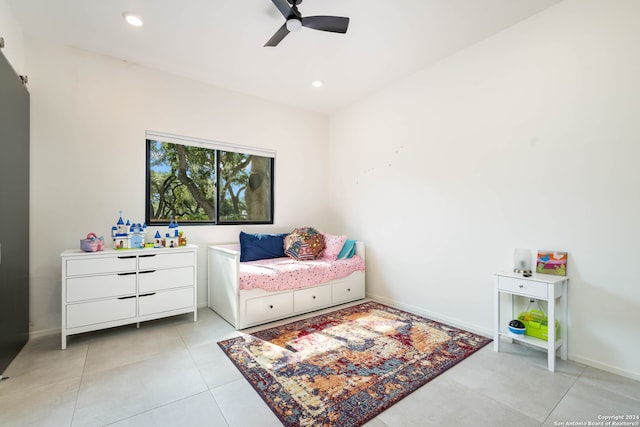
point(543, 287)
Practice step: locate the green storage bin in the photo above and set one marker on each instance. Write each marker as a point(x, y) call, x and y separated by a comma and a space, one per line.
point(536, 323)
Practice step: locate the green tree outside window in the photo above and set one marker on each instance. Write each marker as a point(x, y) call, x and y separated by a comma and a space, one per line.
point(194, 184)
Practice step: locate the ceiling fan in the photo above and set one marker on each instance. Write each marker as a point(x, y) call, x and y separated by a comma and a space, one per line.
point(295, 21)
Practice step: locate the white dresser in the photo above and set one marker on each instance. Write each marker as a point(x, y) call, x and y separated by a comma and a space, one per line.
point(118, 287)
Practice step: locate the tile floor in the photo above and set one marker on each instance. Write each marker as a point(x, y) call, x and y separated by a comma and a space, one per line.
point(171, 373)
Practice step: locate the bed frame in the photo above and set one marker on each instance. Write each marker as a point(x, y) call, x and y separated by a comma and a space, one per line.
point(246, 308)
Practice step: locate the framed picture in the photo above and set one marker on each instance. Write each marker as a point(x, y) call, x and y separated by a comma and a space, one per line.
point(552, 262)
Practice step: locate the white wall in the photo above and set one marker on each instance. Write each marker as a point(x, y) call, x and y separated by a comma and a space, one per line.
point(11, 31)
point(527, 139)
point(89, 114)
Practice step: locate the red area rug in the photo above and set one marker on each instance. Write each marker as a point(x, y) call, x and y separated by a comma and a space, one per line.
point(344, 368)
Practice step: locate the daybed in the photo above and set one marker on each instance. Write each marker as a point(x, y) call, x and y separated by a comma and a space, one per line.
point(235, 296)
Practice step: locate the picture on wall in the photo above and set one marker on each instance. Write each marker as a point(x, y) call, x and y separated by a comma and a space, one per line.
point(552, 262)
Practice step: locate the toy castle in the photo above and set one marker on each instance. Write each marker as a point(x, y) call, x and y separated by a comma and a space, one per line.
point(173, 238)
point(131, 236)
point(128, 235)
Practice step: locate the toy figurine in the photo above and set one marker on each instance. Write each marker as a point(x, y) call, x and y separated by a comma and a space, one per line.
point(158, 241)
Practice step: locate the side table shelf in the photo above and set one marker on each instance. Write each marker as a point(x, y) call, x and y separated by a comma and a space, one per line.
point(543, 287)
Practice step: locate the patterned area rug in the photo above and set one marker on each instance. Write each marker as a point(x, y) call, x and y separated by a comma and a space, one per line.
point(344, 368)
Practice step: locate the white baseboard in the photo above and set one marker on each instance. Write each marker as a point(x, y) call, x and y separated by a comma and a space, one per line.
point(489, 333)
point(44, 333)
point(604, 366)
point(471, 327)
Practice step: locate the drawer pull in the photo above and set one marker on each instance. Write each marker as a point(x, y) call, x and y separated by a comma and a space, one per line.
point(348, 289)
point(271, 306)
point(147, 295)
point(127, 274)
point(126, 257)
point(148, 271)
point(129, 297)
point(314, 297)
point(147, 256)
point(521, 286)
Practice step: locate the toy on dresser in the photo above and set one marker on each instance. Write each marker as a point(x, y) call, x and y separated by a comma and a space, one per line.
point(128, 235)
point(132, 236)
point(172, 239)
point(92, 243)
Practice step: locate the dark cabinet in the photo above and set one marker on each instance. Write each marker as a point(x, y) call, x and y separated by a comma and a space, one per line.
point(14, 214)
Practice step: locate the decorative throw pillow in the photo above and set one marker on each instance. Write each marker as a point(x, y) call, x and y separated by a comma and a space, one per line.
point(332, 246)
point(304, 244)
point(261, 246)
point(348, 250)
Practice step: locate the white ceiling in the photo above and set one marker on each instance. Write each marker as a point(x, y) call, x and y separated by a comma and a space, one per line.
point(221, 41)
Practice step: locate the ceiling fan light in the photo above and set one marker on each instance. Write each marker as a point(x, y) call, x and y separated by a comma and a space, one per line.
point(294, 24)
point(132, 19)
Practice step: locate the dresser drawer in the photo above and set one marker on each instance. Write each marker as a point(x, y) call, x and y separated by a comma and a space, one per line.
point(347, 291)
point(167, 260)
point(270, 307)
point(160, 302)
point(311, 298)
point(114, 264)
point(524, 287)
point(96, 287)
point(157, 280)
point(95, 312)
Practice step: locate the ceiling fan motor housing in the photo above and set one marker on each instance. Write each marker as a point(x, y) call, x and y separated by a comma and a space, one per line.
point(294, 24)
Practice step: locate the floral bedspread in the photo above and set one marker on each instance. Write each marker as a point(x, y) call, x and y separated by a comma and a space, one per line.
point(278, 274)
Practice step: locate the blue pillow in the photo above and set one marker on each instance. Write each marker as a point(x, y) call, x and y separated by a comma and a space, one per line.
point(261, 246)
point(348, 250)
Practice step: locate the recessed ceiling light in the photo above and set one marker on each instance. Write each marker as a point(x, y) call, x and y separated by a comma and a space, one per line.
point(317, 83)
point(132, 19)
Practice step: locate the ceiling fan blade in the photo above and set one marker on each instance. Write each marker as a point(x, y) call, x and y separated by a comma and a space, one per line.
point(334, 24)
point(283, 7)
point(278, 36)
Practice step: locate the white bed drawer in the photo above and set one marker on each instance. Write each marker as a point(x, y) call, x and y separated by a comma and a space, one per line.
point(94, 312)
point(347, 291)
point(95, 287)
point(270, 307)
point(156, 280)
point(311, 298)
point(523, 287)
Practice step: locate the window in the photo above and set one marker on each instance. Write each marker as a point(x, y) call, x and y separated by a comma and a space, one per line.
point(197, 181)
